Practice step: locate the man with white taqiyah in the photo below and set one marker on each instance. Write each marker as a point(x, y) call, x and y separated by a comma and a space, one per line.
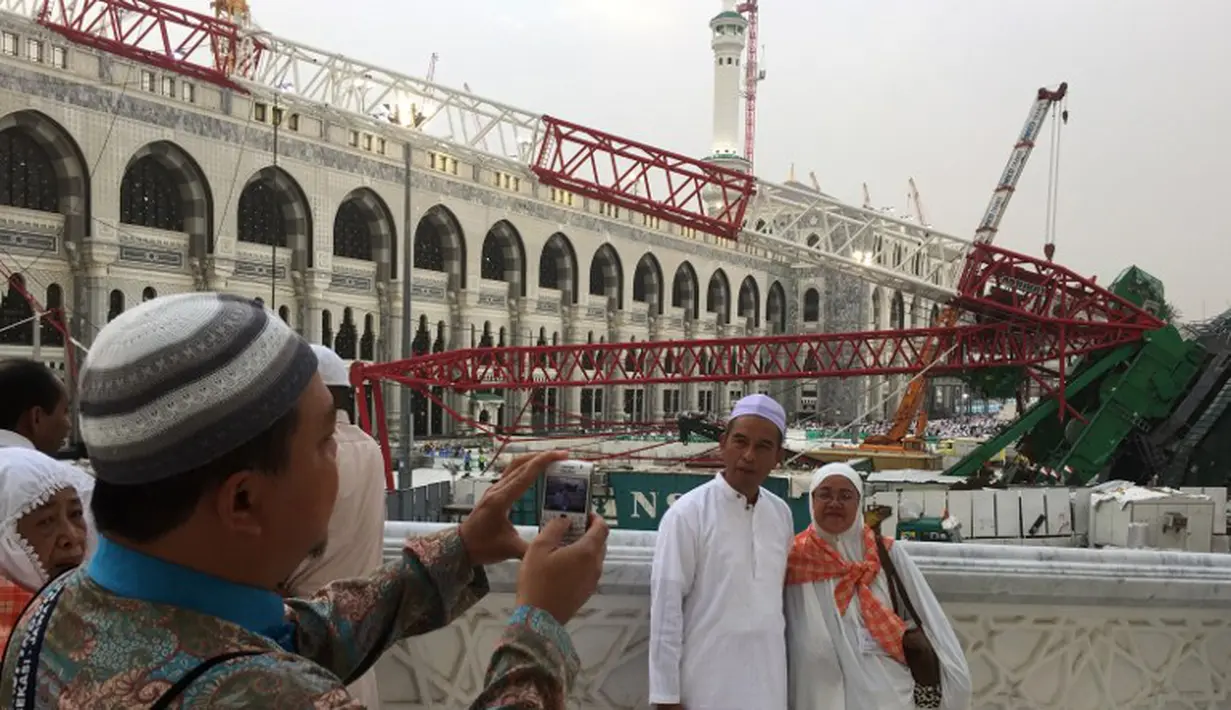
point(717, 630)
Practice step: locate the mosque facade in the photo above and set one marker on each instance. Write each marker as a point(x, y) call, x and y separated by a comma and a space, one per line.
point(122, 181)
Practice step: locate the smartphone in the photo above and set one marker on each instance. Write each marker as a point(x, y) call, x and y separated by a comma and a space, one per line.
point(568, 490)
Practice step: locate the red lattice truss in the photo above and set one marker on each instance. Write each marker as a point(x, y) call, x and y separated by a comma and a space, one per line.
point(1019, 311)
point(1026, 312)
point(171, 38)
point(655, 182)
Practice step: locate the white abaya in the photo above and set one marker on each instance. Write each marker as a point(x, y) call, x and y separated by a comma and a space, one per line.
point(833, 663)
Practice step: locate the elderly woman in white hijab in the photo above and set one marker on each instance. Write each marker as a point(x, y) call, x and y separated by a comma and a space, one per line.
point(857, 638)
point(43, 529)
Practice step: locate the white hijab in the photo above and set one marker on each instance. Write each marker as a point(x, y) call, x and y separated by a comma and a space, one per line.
point(28, 479)
point(831, 666)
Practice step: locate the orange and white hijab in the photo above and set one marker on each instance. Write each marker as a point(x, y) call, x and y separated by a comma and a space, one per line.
point(844, 641)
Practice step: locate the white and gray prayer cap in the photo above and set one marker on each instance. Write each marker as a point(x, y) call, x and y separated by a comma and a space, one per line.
point(179, 381)
point(763, 406)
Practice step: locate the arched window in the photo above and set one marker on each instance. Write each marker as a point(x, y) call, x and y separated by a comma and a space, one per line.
point(54, 303)
point(812, 305)
point(326, 329)
point(549, 271)
point(115, 305)
point(429, 248)
point(27, 178)
point(260, 215)
point(148, 294)
point(493, 266)
point(352, 235)
point(348, 336)
point(367, 342)
point(16, 314)
point(149, 196)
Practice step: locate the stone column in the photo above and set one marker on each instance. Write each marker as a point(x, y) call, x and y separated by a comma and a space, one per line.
point(570, 397)
point(99, 254)
point(654, 393)
point(615, 393)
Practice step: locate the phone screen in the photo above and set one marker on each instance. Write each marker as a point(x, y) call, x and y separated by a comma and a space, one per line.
point(566, 494)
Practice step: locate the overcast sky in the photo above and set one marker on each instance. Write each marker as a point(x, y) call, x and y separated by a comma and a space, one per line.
point(879, 91)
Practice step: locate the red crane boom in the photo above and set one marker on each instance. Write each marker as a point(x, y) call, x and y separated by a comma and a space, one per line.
point(1028, 312)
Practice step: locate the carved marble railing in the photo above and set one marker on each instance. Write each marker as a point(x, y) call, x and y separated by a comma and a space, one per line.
point(1044, 628)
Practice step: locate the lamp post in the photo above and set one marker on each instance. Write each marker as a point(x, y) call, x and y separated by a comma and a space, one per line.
point(407, 439)
point(273, 243)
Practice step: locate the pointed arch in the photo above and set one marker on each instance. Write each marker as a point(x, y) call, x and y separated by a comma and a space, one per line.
point(68, 186)
point(685, 291)
point(897, 311)
point(812, 306)
point(164, 187)
point(274, 211)
point(648, 283)
point(440, 245)
point(503, 257)
point(718, 296)
point(750, 300)
point(607, 276)
point(363, 228)
point(775, 308)
point(558, 267)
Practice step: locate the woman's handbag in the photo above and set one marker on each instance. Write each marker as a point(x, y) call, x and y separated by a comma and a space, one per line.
point(921, 658)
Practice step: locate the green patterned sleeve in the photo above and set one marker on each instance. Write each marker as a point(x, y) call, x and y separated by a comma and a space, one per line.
point(347, 625)
point(534, 665)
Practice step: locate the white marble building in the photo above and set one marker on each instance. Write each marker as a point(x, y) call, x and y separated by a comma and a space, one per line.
point(120, 181)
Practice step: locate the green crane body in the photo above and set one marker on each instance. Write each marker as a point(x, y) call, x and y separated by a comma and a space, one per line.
point(1121, 397)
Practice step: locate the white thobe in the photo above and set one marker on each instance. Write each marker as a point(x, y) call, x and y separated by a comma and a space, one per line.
point(717, 629)
point(356, 529)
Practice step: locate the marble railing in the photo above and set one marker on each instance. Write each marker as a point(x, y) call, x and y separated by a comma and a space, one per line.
point(1043, 628)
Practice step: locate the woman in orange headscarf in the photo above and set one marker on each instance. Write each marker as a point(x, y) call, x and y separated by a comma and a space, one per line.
point(845, 629)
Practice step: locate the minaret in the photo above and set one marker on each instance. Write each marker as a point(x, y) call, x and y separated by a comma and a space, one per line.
point(728, 41)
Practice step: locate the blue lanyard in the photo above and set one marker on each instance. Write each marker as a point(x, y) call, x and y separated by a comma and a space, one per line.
point(25, 675)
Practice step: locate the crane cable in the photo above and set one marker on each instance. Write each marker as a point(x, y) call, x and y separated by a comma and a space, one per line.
point(1053, 180)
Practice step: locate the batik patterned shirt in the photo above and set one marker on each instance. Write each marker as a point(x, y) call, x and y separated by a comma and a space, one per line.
point(108, 648)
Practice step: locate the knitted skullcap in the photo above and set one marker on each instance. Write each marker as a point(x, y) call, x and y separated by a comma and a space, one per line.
point(179, 381)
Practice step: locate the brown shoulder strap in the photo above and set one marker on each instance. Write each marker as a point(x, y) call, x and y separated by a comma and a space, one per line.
point(896, 588)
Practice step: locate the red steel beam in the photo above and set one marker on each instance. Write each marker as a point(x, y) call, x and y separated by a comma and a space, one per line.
point(1018, 286)
point(151, 32)
point(635, 176)
point(780, 357)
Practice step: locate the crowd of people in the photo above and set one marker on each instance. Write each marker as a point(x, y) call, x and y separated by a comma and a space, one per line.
point(226, 551)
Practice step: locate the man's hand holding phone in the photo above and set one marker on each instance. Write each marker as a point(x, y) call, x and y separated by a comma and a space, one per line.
point(559, 580)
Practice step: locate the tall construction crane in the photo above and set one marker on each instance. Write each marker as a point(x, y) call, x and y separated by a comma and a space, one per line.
point(911, 410)
point(753, 74)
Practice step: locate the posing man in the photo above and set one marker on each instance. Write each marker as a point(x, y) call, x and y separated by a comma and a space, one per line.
point(716, 621)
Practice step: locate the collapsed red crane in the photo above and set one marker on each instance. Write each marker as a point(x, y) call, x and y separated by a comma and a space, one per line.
point(1021, 312)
